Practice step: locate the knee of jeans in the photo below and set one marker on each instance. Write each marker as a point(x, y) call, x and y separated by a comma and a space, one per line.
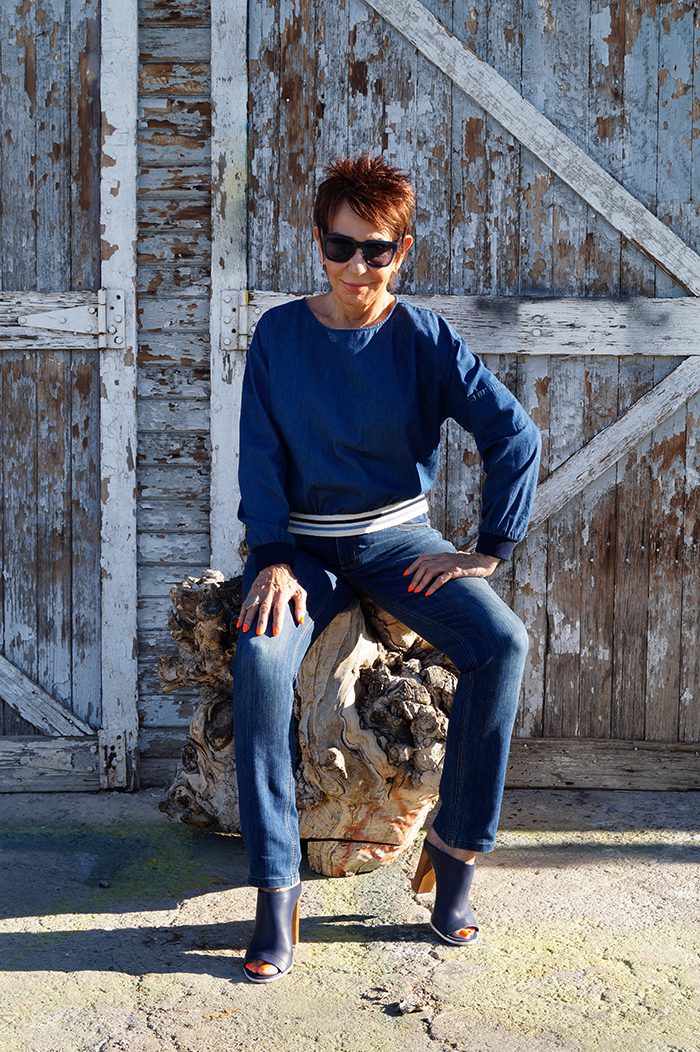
point(512, 638)
point(260, 655)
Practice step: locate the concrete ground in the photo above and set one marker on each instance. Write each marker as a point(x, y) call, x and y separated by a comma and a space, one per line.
point(121, 930)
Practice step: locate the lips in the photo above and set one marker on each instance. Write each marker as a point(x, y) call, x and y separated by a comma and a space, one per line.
point(354, 288)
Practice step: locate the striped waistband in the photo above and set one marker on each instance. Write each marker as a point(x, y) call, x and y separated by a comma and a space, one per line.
point(363, 522)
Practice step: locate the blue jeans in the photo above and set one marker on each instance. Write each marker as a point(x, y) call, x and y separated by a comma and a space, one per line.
point(464, 618)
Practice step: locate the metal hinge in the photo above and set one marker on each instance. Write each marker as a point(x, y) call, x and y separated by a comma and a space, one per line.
point(105, 319)
point(237, 320)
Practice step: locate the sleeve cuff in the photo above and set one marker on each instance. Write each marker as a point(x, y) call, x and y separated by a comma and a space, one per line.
point(269, 554)
point(490, 544)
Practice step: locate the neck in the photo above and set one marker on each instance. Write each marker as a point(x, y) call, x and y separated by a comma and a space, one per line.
point(345, 317)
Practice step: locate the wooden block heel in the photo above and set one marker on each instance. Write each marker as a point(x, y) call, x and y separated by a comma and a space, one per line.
point(424, 877)
point(295, 925)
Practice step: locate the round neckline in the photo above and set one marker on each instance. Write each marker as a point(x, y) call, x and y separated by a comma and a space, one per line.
point(361, 328)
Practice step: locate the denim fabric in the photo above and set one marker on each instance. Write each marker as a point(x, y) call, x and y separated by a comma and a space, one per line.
point(464, 618)
point(344, 421)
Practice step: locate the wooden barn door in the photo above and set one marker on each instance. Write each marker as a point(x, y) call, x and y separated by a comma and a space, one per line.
point(611, 696)
point(67, 429)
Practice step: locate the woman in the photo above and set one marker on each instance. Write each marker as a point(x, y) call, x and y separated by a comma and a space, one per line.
point(343, 398)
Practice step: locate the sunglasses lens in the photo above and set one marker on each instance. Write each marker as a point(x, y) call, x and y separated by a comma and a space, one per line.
point(339, 249)
point(378, 253)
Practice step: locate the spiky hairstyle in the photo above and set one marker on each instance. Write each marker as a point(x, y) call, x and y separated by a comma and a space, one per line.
point(380, 194)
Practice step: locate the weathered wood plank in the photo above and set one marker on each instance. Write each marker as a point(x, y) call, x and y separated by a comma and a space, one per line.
point(53, 511)
point(689, 701)
point(184, 279)
point(161, 214)
point(18, 336)
point(561, 325)
point(49, 765)
point(665, 524)
point(173, 12)
point(159, 317)
point(176, 447)
point(161, 415)
point(530, 571)
point(118, 736)
point(190, 79)
point(177, 483)
point(157, 513)
point(574, 764)
point(547, 763)
point(544, 139)
point(229, 266)
point(19, 549)
point(174, 42)
point(18, 261)
point(35, 705)
point(263, 143)
point(174, 182)
point(598, 515)
point(174, 382)
point(85, 146)
point(166, 547)
point(177, 348)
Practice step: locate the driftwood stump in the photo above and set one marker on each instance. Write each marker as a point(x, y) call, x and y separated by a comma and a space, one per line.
point(371, 711)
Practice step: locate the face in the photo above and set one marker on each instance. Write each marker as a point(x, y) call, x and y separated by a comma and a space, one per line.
point(355, 283)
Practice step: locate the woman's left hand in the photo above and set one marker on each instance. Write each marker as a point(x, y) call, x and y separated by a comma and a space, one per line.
point(436, 569)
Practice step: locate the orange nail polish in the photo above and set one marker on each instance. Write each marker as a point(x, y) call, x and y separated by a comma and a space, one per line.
point(301, 620)
point(259, 632)
point(238, 624)
point(246, 627)
point(405, 572)
point(410, 587)
point(275, 631)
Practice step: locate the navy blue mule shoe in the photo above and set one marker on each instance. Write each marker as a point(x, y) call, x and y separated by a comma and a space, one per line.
point(276, 932)
point(452, 880)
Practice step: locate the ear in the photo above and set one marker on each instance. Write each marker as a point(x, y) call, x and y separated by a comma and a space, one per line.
point(317, 239)
point(407, 242)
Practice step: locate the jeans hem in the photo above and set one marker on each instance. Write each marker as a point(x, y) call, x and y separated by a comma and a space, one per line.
point(463, 844)
point(272, 882)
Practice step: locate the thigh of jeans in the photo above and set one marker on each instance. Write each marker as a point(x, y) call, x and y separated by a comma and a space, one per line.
point(464, 617)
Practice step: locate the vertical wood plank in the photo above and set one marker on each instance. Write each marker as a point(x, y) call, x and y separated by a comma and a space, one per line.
point(19, 515)
point(638, 143)
point(118, 93)
point(668, 444)
point(297, 143)
point(602, 276)
point(228, 269)
point(689, 714)
point(84, 377)
point(264, 146)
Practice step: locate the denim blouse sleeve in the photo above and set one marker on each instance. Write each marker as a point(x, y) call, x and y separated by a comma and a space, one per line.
point(262, 467)
point(509, 444)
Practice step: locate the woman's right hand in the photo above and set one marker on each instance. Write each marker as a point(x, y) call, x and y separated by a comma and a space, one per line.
point(271, 590)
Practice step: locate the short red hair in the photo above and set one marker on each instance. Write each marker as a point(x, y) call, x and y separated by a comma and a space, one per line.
point(380, 194)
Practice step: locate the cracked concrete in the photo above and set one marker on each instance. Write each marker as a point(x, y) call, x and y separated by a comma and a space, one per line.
point(122, 931)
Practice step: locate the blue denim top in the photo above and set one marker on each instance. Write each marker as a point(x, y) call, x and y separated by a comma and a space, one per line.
point(338, 421)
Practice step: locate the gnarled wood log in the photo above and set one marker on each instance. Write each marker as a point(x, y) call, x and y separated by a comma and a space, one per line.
point(371, 713)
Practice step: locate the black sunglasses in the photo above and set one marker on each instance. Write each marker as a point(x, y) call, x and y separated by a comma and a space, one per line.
point(340, 249)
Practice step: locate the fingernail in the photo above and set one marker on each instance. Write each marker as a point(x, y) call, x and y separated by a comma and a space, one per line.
point(428, 592)
point(259, 632)
point(275, 631)
point(238, 623)
point(405, 572)
point(246, 627)
point(301, 620)
point(410, 587)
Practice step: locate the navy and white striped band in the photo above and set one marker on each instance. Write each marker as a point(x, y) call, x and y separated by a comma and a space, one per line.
point(363, 522)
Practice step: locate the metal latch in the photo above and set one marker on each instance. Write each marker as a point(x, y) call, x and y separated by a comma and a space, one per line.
point(235, 320)
point(105, 319)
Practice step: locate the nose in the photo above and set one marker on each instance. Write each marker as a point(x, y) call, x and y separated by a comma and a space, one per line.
point(357, 262)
